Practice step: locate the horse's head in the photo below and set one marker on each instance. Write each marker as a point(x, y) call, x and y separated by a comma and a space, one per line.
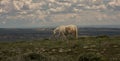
point(55, 31)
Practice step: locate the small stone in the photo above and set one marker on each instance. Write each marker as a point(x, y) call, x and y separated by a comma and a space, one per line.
point(69, 50)
point(85, 47)
point(104, 49)
point(31, 43)
point(36, 48)
point(61, 50)
point(43, 50)
point(115, 46)
point(53, 50)
point(93, 45)
point(92, 49)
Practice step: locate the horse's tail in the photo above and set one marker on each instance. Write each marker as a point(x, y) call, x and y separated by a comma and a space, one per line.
point(76, 33)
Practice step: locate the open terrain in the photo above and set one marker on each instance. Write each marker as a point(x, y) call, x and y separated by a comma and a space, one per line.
point(99, 48)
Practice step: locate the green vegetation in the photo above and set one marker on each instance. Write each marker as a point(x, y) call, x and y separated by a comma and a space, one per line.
point(100, 48)
point(90, 57)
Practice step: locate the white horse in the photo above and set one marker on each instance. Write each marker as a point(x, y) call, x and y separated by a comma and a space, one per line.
point(64, 31)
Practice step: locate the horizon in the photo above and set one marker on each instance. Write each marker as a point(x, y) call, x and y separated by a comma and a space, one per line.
point(105, 26)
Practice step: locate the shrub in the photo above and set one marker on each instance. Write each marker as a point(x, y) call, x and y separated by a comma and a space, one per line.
point(102, 36)
point(90, 57)
point(33, 57)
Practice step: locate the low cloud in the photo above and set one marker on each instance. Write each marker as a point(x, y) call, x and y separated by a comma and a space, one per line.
point(114, 3)
point(53, 12)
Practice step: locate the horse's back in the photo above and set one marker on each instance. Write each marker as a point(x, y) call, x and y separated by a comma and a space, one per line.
point(71, 27)
point(61, 28)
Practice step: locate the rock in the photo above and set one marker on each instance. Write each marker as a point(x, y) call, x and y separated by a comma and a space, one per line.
point(115, 46)
point(85, 47)
point(43, 50)
point(61, 50)
point(93, 46)
point(69, 49)
point(53, 50)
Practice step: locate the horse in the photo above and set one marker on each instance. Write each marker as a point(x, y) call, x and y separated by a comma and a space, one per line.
point(64, 31)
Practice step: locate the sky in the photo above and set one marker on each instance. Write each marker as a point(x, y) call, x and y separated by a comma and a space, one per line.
point(51, 13)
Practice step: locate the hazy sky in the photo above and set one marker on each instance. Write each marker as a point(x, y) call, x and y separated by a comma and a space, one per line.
point(48, 13)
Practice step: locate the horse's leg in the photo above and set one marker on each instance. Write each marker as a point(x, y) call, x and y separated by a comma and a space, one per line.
point(64, 37)
point(75, 35)
point(58, 36)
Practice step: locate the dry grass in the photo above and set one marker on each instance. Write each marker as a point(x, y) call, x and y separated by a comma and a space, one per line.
point(51, 50)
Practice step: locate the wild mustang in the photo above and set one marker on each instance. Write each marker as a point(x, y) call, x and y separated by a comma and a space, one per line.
point(64, 31)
